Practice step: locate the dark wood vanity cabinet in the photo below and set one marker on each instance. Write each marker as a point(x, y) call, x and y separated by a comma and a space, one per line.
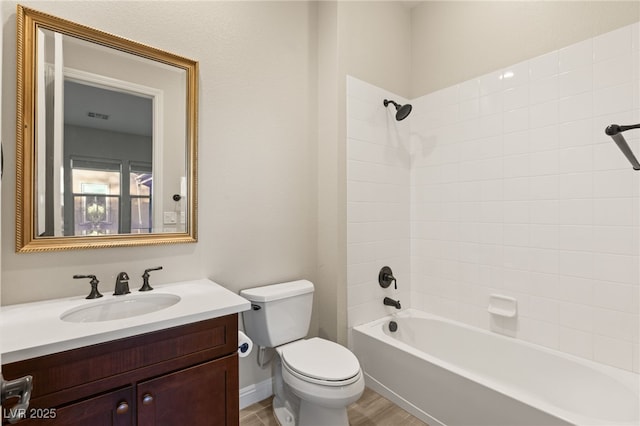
point(185, 375)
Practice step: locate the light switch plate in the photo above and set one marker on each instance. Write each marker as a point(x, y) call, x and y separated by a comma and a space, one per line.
point(170, 218)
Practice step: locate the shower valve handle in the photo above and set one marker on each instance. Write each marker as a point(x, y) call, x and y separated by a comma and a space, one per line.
point(385, 278)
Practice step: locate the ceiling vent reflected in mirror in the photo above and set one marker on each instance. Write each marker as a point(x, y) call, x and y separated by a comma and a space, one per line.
point(125, 111)
point(98, 115)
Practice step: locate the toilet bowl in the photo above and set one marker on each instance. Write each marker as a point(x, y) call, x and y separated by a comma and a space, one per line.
point(322, 372)
point(324, 376)
point(314, 379)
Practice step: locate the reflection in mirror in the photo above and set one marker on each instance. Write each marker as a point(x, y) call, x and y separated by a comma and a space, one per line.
point(99, 153)
point(109, 130)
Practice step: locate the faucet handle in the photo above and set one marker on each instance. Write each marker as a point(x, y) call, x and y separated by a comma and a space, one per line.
point(94, 294)
point(145, 278)
point(157, 268)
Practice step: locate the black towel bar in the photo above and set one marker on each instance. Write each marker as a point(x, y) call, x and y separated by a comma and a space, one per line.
point(615, 131)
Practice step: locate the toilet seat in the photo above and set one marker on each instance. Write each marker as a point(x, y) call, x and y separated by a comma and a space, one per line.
point(320, 361)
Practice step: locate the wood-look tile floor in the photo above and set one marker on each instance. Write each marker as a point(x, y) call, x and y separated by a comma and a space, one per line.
point(371, 409)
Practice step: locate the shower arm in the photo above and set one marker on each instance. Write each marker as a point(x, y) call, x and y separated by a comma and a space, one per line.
point(389, 101)
point(615, 131)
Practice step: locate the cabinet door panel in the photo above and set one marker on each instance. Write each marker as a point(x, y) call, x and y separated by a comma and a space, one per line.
point(203, 395)
point(111, 409)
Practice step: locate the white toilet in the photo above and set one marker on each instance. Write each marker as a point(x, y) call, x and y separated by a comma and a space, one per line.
point(314, 379)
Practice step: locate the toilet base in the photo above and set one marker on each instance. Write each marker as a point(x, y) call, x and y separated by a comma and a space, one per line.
point(283, 413)
point(315, 415)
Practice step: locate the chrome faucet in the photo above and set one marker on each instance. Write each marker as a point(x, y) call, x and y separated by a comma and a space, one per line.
point(390, 302)
point(122, 284)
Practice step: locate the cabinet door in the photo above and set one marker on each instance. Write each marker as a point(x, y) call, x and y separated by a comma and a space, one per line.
point(110, 409)
point(204, 395)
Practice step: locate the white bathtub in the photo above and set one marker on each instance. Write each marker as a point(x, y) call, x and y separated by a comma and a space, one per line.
point(448, 373)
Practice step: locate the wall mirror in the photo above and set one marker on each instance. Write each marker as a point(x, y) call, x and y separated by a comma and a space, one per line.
point(106, 139)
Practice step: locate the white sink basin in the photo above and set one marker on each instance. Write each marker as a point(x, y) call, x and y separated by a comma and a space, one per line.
point(120, 307)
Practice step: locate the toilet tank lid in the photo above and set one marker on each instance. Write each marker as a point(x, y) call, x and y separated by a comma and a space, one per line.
point(271, 292)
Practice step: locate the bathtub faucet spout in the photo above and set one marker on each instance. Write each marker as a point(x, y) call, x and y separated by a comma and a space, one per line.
point(390, 302)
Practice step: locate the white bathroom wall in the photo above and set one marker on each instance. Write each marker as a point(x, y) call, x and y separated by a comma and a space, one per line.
point(257, 215)
point(272, 150)
point(378, 176)
point(516, 190)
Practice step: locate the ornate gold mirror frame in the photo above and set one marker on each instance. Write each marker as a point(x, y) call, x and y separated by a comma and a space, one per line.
point(29, 21)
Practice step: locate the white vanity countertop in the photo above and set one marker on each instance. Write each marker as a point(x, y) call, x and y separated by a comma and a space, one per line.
point(34, 329)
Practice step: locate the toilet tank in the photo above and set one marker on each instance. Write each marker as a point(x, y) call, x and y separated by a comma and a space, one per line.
point(280, 313)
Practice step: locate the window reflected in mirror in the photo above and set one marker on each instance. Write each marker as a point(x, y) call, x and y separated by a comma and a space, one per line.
point(96, 202)
point(140, 185)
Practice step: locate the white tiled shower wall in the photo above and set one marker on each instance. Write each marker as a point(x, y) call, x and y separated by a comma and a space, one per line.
point(378, 193)
point(515, 189)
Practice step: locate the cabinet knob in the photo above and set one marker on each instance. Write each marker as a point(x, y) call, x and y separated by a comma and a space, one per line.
point(147, 399)
point(122, 408)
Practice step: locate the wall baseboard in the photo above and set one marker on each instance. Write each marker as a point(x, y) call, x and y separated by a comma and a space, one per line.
point(255, 393)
